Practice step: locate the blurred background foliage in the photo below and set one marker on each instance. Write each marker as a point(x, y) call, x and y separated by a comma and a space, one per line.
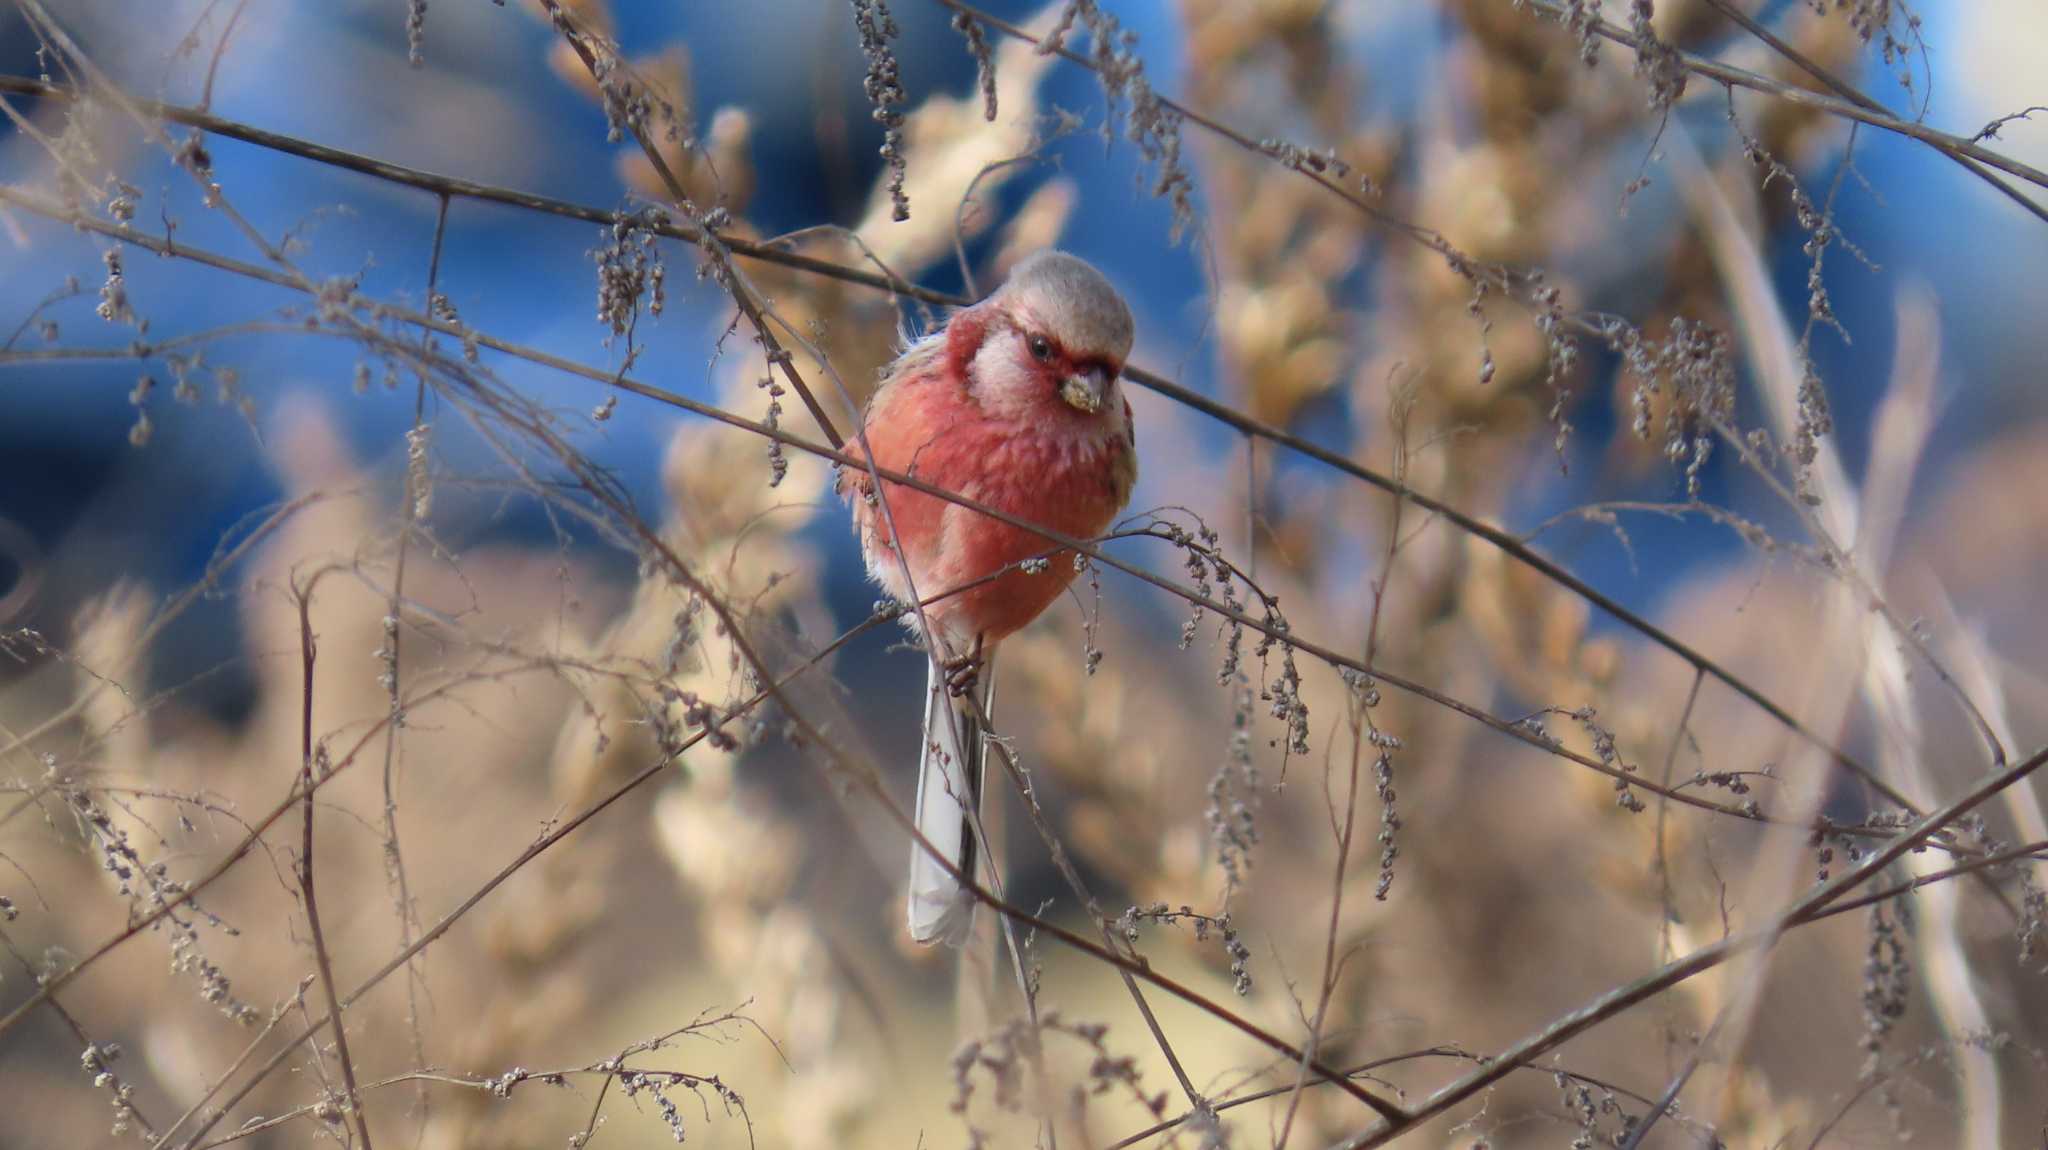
point(152, 698)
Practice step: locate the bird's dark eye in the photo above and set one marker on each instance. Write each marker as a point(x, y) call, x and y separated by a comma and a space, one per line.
point(1041, 349)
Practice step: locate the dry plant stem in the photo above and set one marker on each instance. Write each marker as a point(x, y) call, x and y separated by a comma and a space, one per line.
point(1328, 983)
point(1498, 538)
point(596, 1109)
point(1940, 141)
point(626, 383)
point(2036, 851)
point(614, 379)
point(128, 1109)
point(394, 603)
point(1974, 664)
point(741, 297)
point(276, 1016)
point(48, 988)
point(1858, 583)
point(1360, 1070)
point(1841, 510)
point(531, 852)
point(1807, 909)
point(1359, 720)
point(1074, 881)
point(764, 251)
point(56, 295)
point(1856, 1097)
point(1664, 1102)
point(1251, 506)
point(526, 856)
point(779, 359)
point(1505, 542)
point(171, 611)
point(151, 349)
point(428, 1077)
point(1143, 971)
point(609, 1069)
point(1855, 96)
point(1712, 69)
point(1033, 154)
point(220, 49)
point(864, 776)
point(308, 797)
point(1664, 896)
point(308, 650)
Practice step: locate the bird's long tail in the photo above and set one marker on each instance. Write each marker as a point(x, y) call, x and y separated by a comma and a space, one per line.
point(949, 778)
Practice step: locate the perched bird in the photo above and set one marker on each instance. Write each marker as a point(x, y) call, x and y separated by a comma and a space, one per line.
point(1014, 405)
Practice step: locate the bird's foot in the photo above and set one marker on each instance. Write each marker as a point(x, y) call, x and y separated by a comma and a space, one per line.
point(961, 674)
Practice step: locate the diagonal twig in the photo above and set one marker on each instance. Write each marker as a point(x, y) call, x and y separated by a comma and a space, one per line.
point(1507, 543)
point(1854, 95)
point(1512, 728)
point(308, 650)
point(1813, 906)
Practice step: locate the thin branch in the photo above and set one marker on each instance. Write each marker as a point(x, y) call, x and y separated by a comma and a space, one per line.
point(1624, 997)
point(207, 584)
point(2033, 850)
point(534, 850)
point(1664, 899)
point(1072, 875)
point(1503, 541)
point(1722, 73)
point(580, 40)
point(276, 1015)
point(1365, 1068)
point(1990, 130)
point(409, 511)
point(1641, 1129)
point(1855, 96)
point(308, 651)
point(1360, 720)
point(1467, 523)
point(141, 924)
point(1512, 728)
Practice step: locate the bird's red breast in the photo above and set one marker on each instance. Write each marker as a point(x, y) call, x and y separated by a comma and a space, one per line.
point(1047, 464)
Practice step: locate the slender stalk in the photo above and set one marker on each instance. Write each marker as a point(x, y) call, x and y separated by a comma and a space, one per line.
point(308, 649)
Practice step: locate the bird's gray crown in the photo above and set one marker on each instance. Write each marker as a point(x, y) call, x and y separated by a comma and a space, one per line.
point(1069, 300)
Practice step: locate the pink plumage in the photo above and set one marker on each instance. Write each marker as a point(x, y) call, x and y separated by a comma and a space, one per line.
point(1015, 405)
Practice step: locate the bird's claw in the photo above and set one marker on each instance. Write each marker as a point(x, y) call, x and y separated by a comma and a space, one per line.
point(961, 674)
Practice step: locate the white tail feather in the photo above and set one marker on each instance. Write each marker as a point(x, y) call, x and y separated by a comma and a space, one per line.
point(948, 791)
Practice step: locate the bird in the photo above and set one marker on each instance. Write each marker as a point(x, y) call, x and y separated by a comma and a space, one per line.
point(1015, 404)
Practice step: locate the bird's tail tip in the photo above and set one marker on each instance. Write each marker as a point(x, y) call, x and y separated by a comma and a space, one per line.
point(938, 919)
point(940, 907)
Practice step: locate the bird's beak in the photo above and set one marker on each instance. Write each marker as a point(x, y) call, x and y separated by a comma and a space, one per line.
point(1086, 390)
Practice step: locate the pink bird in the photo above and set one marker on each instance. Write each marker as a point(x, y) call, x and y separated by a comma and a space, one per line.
point(1015, 405)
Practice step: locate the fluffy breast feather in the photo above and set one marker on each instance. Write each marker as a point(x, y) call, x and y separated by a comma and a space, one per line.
point(924, 424)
